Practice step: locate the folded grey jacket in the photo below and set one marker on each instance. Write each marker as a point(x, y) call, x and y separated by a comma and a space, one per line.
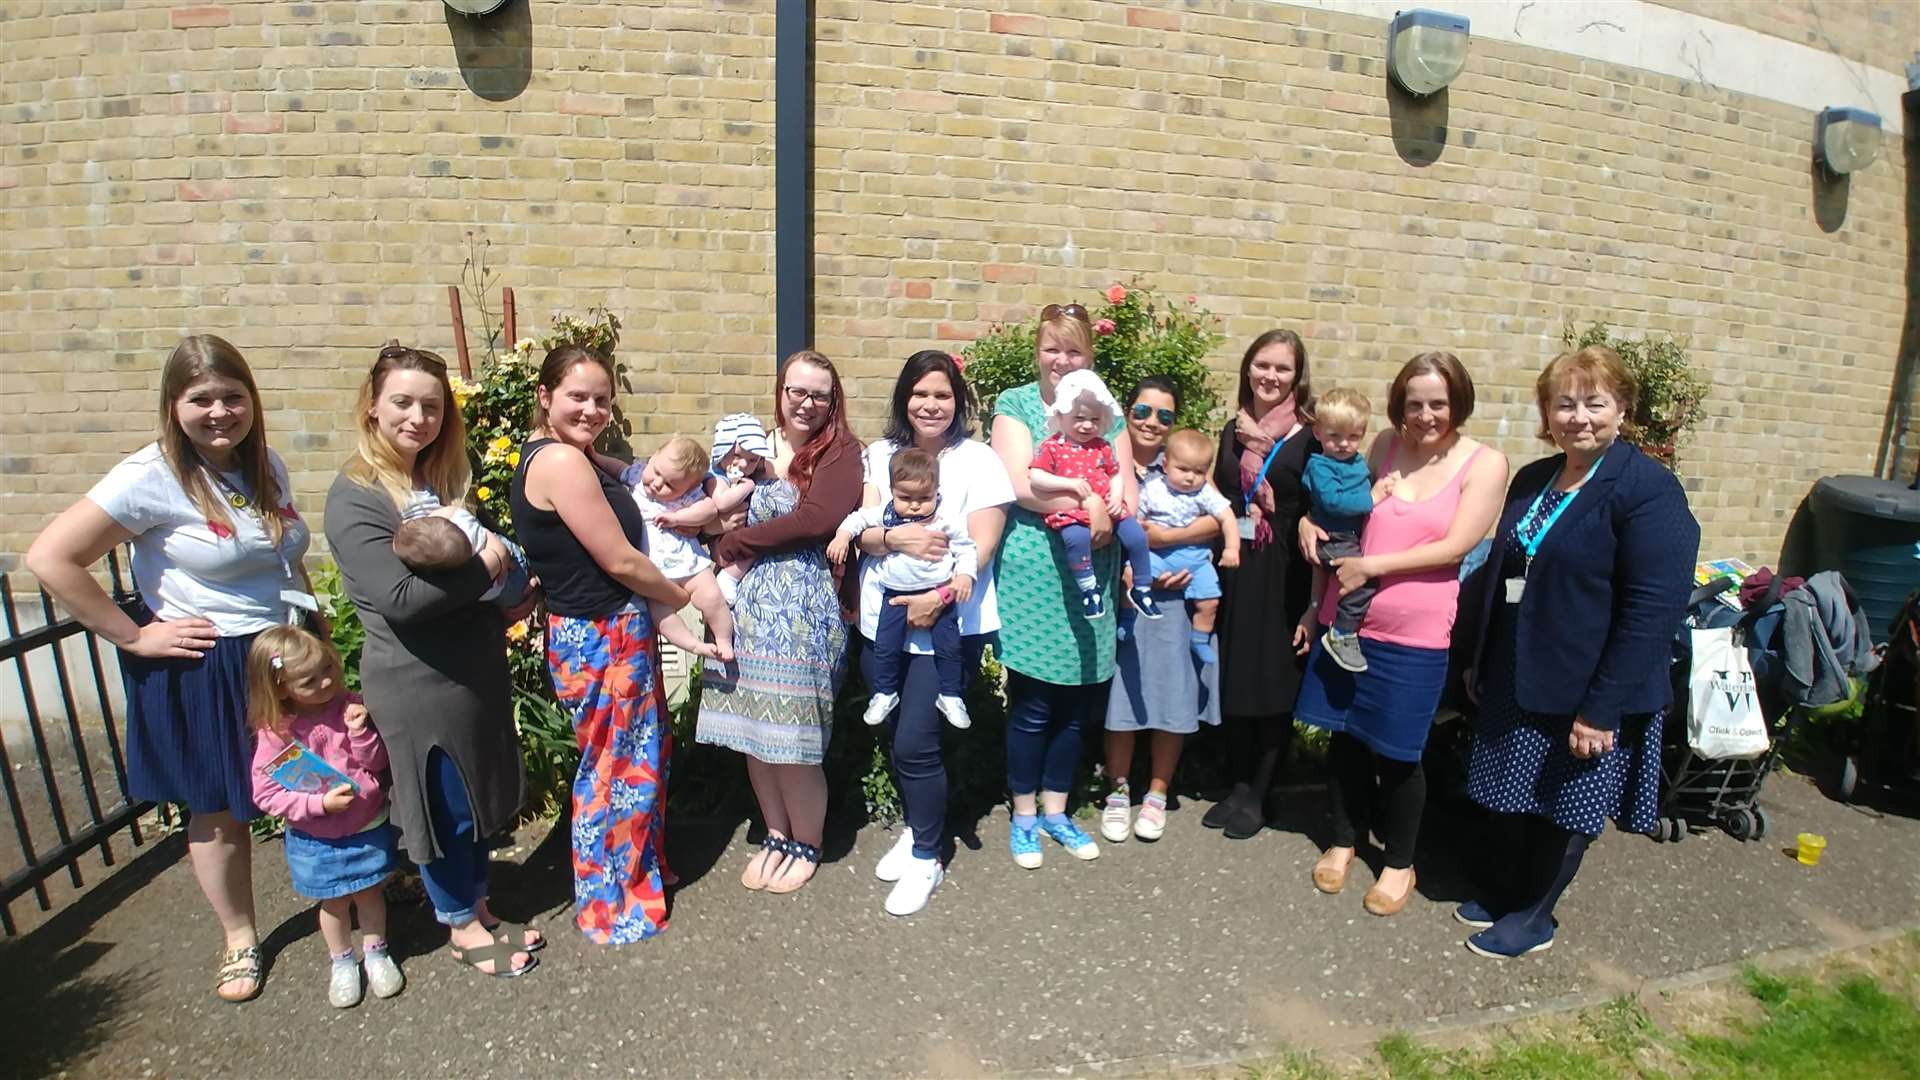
point(1824, 641)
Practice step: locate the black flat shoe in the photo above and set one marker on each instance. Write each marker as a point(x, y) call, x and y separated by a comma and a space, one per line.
point(1245, 822)
point(1217, 815)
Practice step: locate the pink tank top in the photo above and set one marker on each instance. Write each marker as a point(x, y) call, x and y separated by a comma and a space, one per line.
point(1416, 609)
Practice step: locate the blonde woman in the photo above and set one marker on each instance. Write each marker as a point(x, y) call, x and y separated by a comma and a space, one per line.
point(216, 553)
point(435, 665)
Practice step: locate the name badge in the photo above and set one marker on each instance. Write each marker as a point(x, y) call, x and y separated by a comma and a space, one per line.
point(1515, 587)
point(295, 598)
point(1246, 528)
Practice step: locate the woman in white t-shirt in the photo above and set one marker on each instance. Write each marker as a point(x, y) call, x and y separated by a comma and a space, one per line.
point(216, 553)
point(932, 409)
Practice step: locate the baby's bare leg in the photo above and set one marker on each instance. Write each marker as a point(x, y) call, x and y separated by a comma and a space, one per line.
point(678, 633)
point(713, 608)
point(1204, 612)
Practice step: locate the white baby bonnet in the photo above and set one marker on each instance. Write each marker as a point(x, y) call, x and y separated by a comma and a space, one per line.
point(1072, 388)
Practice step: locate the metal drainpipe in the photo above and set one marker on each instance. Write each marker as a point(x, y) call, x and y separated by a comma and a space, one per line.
point(793, 176)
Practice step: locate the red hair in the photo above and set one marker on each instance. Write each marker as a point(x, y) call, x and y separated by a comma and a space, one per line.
point(835, 429)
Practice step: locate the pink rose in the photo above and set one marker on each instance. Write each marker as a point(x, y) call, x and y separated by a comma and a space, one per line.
point(1116, 294)
point(1104, 327)
point(1189, 299)
point(959, 362)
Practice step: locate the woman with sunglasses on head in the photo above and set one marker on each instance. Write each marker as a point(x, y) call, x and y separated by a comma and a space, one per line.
point(1263, 451)
point(1057, 661)
point(774, 703)
point(434, 668)
point(216, 554)
point(585, 539)
point(932, 410)
point(1160, 685)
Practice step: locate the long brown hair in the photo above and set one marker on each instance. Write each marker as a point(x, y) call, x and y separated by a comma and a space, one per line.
point(806, 458)
point(442, 466)
point(196, 358)
point(1302, 374)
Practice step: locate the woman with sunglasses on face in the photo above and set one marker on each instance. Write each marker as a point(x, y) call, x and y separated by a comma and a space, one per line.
point(1056, 660)
point(1159, 686)
point(216, 553)
point(932, 410)
point(774, 703)
point(434, 669)
point(1263, 451)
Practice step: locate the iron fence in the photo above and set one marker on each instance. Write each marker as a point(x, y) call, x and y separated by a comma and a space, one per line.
point(55, 828)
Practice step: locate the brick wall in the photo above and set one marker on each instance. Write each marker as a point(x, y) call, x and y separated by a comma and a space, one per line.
point(303, 179)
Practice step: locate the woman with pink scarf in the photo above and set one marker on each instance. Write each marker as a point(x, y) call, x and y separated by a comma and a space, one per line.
point(1262, 453)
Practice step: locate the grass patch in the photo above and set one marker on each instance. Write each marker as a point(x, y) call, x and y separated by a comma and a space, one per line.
point(1856, 1016)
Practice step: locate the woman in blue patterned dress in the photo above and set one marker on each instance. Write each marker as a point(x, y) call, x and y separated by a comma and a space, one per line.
point(1589, 578)
point(774, 703)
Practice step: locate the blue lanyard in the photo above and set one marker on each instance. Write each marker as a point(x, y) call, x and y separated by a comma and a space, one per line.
point(1530, 546)
point(1264, 466)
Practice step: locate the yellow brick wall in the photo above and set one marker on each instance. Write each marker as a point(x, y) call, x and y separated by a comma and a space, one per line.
point(303, 179)
point(1881, 33)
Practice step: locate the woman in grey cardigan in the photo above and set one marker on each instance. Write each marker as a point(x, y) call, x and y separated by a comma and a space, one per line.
point(434, 671)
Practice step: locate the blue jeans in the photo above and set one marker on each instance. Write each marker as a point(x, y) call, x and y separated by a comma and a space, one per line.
point(890, 648)
point(914, 749)
point(1044, 721)
point(1133, 541)
point(456, 880)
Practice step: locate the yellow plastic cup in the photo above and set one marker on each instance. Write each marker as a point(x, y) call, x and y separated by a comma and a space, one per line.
point(1811, 845)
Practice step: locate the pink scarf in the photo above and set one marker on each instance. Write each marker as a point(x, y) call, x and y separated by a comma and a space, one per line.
point(1256, 441)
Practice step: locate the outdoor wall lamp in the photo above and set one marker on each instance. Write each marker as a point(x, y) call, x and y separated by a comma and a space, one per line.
point(476, 7)
point(1426, 49)
point(1846, 139)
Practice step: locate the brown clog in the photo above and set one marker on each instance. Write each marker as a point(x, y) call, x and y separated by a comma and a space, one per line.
point(1326, 878)
point(1379, 903)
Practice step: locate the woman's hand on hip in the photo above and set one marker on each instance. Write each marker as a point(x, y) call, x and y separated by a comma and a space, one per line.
point(175, 639)
point(1310, 537)
point(923, 609)
point(918, 541)
point(1587, 741)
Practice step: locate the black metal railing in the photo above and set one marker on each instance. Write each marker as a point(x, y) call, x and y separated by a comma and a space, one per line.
point(71, 806)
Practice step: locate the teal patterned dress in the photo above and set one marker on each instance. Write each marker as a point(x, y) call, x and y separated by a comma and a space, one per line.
point(775, 701)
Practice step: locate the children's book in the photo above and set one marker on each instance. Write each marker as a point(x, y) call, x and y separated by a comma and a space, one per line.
point(299, 769)
point(1736, 569)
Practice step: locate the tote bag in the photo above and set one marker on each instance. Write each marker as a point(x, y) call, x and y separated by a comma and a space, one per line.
point(1723, 715)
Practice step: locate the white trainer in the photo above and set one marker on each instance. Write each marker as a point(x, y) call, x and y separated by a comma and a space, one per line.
point(878, 706)
point(383, 975)
point(1115, 819)
point(955, 710)
point(343, 984)
point(896, 858)
point(1152, 821)
point(917, 882)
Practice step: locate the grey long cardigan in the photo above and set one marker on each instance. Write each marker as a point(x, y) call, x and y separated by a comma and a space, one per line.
point(434, 673)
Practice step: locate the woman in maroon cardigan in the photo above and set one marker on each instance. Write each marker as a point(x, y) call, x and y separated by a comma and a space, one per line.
point(774, 703)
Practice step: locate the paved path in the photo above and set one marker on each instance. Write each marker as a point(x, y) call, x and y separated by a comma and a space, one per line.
point(1189, 949)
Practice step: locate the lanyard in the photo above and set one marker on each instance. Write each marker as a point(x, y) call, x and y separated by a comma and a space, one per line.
point(1261, 476)
point(296, 598)
point(1530, 546)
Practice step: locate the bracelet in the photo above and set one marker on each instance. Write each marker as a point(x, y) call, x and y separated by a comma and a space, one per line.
point(885, 544)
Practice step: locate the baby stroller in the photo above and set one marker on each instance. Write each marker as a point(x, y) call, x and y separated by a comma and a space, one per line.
point(1702, 791)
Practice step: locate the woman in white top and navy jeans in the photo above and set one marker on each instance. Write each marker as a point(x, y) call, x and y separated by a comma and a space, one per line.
point(932, 409)
point(216, 552)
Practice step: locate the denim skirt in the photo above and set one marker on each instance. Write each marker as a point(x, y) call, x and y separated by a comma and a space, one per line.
point(1389, 706)
point(325, 868)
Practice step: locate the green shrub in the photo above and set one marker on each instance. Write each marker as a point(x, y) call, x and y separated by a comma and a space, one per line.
point(1672, 392)
point(1149, 335)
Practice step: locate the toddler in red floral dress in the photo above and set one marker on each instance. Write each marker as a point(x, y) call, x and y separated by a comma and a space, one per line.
point(1077, 461)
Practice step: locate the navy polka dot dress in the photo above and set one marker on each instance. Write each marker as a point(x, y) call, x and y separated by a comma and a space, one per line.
point(1521, 764)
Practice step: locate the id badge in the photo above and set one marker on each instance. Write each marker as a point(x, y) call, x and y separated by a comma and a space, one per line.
point(297, 601)
point(1246, 528)
point(1516, 586)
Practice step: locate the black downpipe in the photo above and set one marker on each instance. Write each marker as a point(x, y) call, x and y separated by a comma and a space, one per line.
point(793, 176)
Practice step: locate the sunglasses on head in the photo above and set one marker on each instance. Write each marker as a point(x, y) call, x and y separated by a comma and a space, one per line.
point(397, 351)
point(1142, 410)
point(1071, 311)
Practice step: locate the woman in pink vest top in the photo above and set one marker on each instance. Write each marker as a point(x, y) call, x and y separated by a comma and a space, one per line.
point(1447, 492)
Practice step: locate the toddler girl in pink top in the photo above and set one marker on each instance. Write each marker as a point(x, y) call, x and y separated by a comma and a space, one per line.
point(1077, 461)
point(319, 764)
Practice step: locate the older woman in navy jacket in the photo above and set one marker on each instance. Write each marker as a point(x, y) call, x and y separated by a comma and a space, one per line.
point(1587, 583)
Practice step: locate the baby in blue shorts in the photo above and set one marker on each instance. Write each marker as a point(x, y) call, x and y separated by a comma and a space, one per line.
point(1175, 498)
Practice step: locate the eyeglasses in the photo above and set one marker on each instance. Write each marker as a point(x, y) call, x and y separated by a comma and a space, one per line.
point(797, 395)
point(1071, 311)
point(1143, 410)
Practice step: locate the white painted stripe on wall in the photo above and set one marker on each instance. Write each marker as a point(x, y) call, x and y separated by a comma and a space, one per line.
point(1637, 34)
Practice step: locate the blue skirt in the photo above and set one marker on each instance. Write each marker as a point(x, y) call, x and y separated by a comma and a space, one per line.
point(1389, 706)
point(187, 735)
point(324, 869)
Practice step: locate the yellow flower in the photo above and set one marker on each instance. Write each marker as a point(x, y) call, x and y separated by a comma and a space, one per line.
point(502, 443)
point(483, 493)
point(513, 460)
point(518, 631)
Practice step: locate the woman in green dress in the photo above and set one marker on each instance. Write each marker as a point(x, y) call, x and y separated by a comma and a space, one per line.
point(1058, 661)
